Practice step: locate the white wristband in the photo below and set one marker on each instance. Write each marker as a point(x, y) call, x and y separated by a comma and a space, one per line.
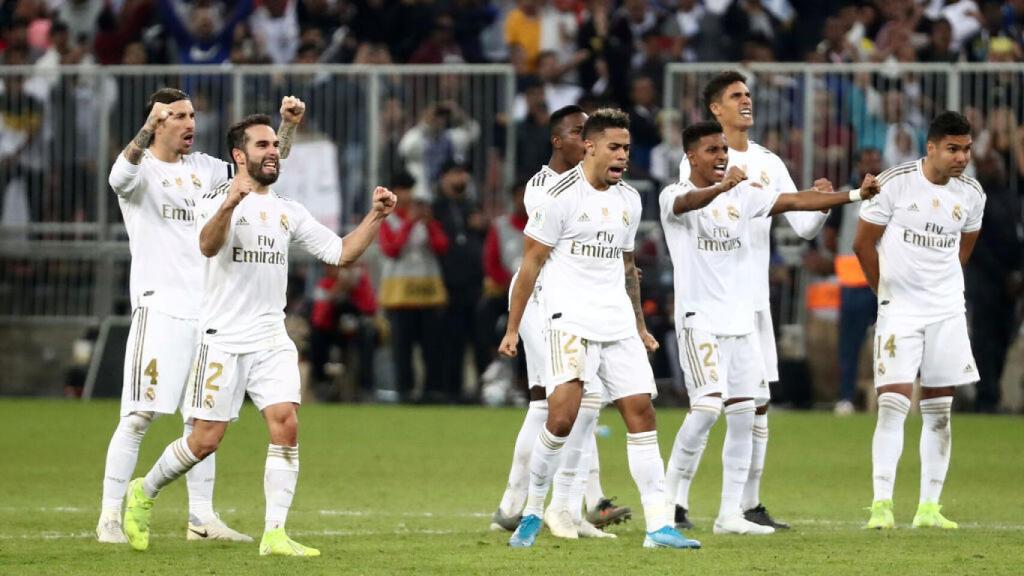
point(855, 195)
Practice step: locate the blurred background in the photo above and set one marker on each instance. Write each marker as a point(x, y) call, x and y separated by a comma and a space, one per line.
point(446, 102)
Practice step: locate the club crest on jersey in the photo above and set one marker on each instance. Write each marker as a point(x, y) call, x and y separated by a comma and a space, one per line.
point(714, 213)
point(196, 182)
point(150, 394)
point(538, 218)
point(734, 213)
point(604, 215)
point(179, 181)
point(713, 376)
point(208, 401)
point(263, 217)
point(957, 213)
point(881, 369)
point(284, 222)
point(935, 203)
point(764, 178)
point(625, 219)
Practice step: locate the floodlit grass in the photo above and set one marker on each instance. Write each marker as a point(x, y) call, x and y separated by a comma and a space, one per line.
point(399, 490)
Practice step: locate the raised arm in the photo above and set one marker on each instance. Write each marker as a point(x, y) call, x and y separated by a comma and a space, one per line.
point(697, 199)
point(215, 232)
point(157, 116)
point(865, 246)
point(357, 241)
point(535, 254)
point(814, 199)
point(292, 111)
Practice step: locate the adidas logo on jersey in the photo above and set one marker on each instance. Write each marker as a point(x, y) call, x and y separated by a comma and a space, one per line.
point(913, 208)
point(968, 369)
point(242, 222)
point(583, 218)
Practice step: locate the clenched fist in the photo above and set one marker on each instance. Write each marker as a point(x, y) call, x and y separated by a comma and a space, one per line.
point(292, 109)
point(733, 177)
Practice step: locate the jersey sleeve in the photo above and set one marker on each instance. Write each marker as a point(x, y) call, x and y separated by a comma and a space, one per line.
point(758, 201)
point(667, 200)
point(314, 237)
point(878, 210)
point(217, 171)
point(124, 176)
point(207, 205)
point(635, 212)
point(547, 221)
point(974, 217)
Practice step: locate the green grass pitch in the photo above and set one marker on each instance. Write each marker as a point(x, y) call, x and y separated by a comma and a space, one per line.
point(399, 490)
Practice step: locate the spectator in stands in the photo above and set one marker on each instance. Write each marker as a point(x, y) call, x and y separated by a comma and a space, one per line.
point(503, 252)
point(116, 31)
point(201, 41)
point(462, 265)
point(559, 29)
point(835, 45)
point(440, 46)
point(81, 18)
point(471, 17)
point(965, 20)
point(275, 24)
point(902, 143)
point(22, 163)
point(522, 34)
point(412, 288)
point(654, 57)
point(940, 44)
point(557, 94)
point(857, 303)
point(666, 156)
point(993, 280)
point(342, 317)
point(532, 130)
point(326, 16)
point(444, 134)
point(976, 47)
point(685, 27)
point(644, 133)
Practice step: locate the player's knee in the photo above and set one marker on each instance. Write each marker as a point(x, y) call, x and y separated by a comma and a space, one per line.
point(559, 424)
point(761, 407)
point(202, 445)
point(137, 423)
point(709, 405)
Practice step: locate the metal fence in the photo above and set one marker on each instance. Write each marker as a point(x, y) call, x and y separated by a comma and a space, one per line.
point(63, 249)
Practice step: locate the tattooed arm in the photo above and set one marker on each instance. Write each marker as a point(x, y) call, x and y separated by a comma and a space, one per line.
point(292, 110)
point(633, 290)
point(133, 151)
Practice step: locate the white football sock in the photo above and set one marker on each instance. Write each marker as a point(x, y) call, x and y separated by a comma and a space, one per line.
point(122, 455)
point(572, 454)
point(752, 491)
point(592, 491)
point(887, 445)
point(936, 446)
point(279, 479)
point(176, 460)
point(739, 420)
point(547, 452)
point(648, 470)
point(200, 486)
point(514, 498)
point(688, 449)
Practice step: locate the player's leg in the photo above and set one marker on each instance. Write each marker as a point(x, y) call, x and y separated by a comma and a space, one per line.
point(947, 363)
point(898, 350)
point(629, 382)
point(531, 331)
point(744, 382)
point(213, 396)
point(156, 364)
point(566, 366)
point(601, 512)
point(699, 359)
point(559, 516)
point(764, 347)
point(274, 386)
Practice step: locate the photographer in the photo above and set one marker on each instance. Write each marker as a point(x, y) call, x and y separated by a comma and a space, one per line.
point(444, 134)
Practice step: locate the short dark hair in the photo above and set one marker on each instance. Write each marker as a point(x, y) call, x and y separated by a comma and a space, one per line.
point(402, 179)
point(694, 132)
point(165, 96)
point(561, 114)
point(948, 123)
point(714, 88)
point(236, 133)
point(603, 119)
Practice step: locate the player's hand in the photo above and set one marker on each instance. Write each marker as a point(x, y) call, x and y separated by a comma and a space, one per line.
point(823, 185)
point(292, 109)
point(384, 201)
point(869, 188)
point(158, 115)
point(240, 188)
point(650, 342)
point(733, 177)
point(509, 346)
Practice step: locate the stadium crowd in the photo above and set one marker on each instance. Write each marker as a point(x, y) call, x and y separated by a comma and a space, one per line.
point(564, 52)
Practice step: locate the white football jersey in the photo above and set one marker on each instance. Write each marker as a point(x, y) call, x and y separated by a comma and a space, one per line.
point(584, 278)
point(766, 169)
point(157, 200)
point(246, 282)
point(535, 196)
point(919, 253)
point(711, 257)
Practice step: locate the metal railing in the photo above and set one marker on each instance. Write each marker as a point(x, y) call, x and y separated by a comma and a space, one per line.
point(63, 248)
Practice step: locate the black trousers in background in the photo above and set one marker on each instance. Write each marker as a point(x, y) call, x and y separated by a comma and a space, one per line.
point(409, 327)
point(993, 326)
point(462, 328)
